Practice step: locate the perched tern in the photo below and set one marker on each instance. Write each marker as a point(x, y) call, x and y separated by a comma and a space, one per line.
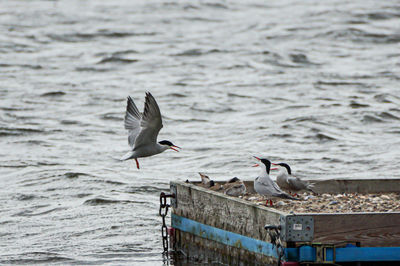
point(143, 130)
point(206, 182)
point(286, 181)
point(234, 187)
point(265, 186)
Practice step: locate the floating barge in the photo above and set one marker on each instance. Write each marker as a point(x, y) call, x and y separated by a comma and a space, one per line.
point(211, 227)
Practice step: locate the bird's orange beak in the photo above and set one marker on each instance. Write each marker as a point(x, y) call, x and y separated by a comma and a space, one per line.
point(256, 165)
point(275, 168)
point(175, 148)
point(257, 158)
point(274, 164)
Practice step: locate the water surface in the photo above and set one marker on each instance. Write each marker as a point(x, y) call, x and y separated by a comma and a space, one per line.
point(314, 84)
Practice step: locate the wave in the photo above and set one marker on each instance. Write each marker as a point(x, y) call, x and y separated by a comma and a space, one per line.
point(116, 59)
point(14, 131)
point(79, 37)
point(74, 174)
point(105, 201)
point(358, 35)
point(53, 94)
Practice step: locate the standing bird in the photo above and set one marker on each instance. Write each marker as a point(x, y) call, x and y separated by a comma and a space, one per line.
point(264, 185)
point(286, 181)
point(143, 130)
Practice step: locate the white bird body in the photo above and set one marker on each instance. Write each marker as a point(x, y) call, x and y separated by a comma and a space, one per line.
point(145, 151)
point(287, 181)
point(143, 130)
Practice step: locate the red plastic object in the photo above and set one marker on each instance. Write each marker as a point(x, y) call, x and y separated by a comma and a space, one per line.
point(171, 231)
point(290, 263)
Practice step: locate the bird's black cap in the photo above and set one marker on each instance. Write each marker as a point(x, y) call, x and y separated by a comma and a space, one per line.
point(267, 164)
point(287, 167)
point(233, 180)
point(166, 142)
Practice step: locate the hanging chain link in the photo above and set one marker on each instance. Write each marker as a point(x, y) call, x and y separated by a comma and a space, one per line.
point(274, 233)
point(164, 206)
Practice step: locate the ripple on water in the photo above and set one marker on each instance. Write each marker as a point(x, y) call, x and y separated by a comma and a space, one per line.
point(19, 131)
point(33, 258)
point(24, 197)
point(53, 94)
point(145, 189)
point(370, 119)
point(322, 137)
point(387, 98)
point(74, 174)
point(117, 60)
point(106, 201)
point(112, 116)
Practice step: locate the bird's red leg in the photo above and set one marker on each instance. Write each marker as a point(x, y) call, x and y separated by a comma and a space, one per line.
point(137, 163)
point(270, 203)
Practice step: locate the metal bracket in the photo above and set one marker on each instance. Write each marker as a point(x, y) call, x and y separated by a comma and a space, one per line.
point(174, 200)
point(321, 253)
point(297, 228)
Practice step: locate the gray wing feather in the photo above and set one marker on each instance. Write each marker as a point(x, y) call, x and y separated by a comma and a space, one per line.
point(265, 186)
point(151, 122)
point(297, 184)
point(132, 121)
point(282, 181)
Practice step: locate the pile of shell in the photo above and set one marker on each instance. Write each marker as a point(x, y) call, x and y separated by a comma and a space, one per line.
point(331, 203)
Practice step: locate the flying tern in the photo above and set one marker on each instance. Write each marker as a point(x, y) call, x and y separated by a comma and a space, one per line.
point(143, 130)
point(265, 186)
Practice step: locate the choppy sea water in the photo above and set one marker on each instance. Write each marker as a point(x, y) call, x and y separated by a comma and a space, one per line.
point(311, 83)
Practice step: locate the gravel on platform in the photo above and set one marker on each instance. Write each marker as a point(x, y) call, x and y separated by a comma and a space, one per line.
point(333, 203)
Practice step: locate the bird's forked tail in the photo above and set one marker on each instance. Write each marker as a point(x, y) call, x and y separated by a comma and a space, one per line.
point(127, 156)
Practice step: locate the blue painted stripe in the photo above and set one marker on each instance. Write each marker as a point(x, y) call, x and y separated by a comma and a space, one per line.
point(345, 254)
point(366, 254)
point(301, 254)
point(222, 236)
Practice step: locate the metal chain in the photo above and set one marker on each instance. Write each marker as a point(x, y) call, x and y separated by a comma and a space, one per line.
point(274, 233)
point(164, 206)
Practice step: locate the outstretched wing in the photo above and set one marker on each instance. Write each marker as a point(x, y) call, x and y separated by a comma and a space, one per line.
point(150, 124)
point(132, 121)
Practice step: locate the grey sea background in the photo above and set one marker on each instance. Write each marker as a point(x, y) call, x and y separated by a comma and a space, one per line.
point(311, 83)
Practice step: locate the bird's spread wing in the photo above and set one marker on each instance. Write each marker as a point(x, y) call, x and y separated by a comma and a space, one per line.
point(132, 121)
point(150, 124)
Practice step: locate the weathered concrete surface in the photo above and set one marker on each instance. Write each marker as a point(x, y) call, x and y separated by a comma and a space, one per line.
point(227, 213)
point(224, 212)
point(205, 251)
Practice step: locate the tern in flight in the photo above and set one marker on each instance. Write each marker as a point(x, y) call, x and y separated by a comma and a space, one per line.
point(143, 130)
